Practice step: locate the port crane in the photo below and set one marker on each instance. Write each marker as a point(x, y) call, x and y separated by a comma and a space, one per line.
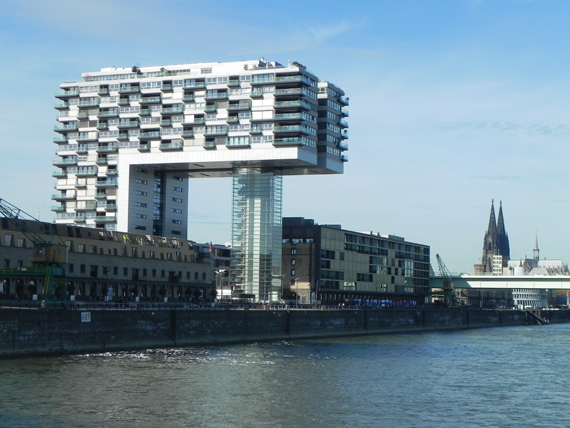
point(447, 283)
point(49, 252)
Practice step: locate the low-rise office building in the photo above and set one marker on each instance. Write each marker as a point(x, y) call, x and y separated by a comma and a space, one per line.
point(108, 265)
point(331, 265)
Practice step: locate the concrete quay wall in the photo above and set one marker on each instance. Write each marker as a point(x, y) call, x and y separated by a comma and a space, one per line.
point(26, 332)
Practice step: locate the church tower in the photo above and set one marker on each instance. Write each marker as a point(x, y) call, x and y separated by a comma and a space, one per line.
point(496, 241)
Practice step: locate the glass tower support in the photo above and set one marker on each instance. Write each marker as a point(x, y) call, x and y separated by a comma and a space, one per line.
point(256, 232)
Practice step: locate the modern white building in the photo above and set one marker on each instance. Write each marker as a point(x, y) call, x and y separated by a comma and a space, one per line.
point(129, 140)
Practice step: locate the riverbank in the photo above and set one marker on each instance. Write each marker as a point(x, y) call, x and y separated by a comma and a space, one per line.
point(33, 332)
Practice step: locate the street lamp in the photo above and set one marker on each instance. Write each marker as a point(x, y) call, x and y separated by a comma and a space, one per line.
point(220, 274)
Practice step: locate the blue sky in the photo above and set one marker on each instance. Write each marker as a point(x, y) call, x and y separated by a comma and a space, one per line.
point(453, 103)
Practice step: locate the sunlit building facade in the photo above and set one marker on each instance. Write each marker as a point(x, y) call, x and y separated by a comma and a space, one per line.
point(130, 139)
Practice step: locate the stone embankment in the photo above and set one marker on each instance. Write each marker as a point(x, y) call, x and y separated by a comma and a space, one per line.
point(30, 332)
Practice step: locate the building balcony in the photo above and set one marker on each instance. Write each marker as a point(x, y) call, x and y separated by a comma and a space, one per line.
point(86, 172)
point(188, 98)
point(128, 124)
point(167, 87)
point(60, 106)
point(88, 103)
point(192, 85)
point(60, 139)
point(65, 162)
point(256, 93)
point(102, 126)
point(123, 136)
point(239, 106)
point(108, 207)
point(150, 100)
point(82, 148)
point(343, 100)
point(174, 145)
point(291, 92)
point(110, 182)
point(292, 105)
point(288, 80)
point(343, 158)
point(188, 134)
point(343, 145)
point(59, 173)
point(105, 219)
point(241, 144)
point(262, 80)
point(67, 94)
point(144, 111)
point(172, 110)
point(343, 123)
point(112, 172)
point(232, 119)
point(108, 113)
point(150, 134)
point(109, 148)
point(91, 136)
point(344, 112)
point(129, 89)
point(209, 145)
point(210, 108)
point(216, 96)
point(100, 195)
point(103, 91)
point(218, 130)
point(86, 207)
point(58, 208)
point(144, 147)
point(63, 197)
point(124, 102)
point(287, 116)
point(287, 129)
point(166, 122)
point(290, 141)
point(101, 161)
point(73, 126)
point(195, 121)
point(344, 133)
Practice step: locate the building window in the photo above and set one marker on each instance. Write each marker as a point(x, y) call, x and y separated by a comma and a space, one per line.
point(293, 273)
point(293, 251)
point(293, 262)
point(139, 181)
point(125, 271)
point(140, 193)
point(81, 268)
point(179, 200)
point(177, 189)
point(140, 204)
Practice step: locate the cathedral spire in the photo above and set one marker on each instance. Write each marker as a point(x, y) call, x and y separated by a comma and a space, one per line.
point(496, 241)
point(536, 251)
point(501, 221)
point(492, 229)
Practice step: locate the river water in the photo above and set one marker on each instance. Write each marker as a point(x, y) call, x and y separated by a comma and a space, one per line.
point(499, 377)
